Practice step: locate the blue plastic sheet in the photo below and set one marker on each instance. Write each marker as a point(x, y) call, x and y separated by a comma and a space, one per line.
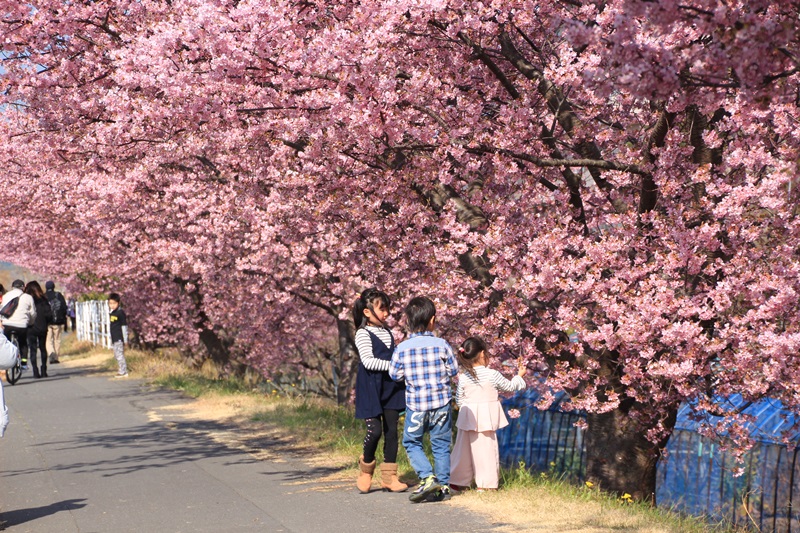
point(697, 477)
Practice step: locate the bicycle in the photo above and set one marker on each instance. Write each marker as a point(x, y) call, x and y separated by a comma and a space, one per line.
point(15, 372)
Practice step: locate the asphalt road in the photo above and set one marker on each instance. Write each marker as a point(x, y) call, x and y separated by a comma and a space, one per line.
point(84, 453)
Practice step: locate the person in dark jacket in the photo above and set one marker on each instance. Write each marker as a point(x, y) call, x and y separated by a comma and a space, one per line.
point(59, 307)
point(119, 333)
point(37, 333)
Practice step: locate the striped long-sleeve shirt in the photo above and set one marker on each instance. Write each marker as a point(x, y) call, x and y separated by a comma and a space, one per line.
point(364, 347)
point(487, 375)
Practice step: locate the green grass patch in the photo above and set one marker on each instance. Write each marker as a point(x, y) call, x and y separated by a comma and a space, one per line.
point(197, 386)
point(329, 427)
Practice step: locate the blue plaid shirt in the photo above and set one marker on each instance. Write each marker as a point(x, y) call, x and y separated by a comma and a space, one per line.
point(427, 364)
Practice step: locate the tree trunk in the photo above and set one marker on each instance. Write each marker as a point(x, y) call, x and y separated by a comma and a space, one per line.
point(217, 348)
point(619, 458)
point(346, 363)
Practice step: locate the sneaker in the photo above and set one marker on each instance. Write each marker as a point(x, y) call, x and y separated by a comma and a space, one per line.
point(24, 367)
point(428, 486)
point(441, 495)
point(121, 375)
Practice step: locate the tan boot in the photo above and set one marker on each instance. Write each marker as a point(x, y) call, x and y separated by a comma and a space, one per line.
point(389, 479)
point(364, 481)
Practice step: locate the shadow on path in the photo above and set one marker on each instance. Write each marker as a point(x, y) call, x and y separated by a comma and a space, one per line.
point(158, 445)
point(142, 447)
point(20, 516)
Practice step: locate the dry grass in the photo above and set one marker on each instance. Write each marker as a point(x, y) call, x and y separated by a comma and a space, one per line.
point(542, 509)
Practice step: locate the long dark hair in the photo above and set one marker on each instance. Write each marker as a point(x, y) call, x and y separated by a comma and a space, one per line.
point(469, 350)
point(34, 289)
point(368, 300)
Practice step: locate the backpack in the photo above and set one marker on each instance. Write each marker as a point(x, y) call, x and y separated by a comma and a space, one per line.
point(59, 309)
point(9, 308)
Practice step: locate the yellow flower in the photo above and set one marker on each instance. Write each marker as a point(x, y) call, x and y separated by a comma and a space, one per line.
point(589, 484)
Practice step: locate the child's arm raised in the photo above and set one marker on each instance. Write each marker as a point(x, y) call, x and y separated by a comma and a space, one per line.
point(501, 383)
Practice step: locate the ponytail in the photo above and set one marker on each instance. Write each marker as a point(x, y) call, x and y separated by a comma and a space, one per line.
point(367, 300)
point(468, 351)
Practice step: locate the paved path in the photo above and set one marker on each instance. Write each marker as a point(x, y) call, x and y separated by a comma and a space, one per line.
point(83, 453)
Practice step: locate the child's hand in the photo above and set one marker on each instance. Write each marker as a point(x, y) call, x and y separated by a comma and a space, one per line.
point(522, 368)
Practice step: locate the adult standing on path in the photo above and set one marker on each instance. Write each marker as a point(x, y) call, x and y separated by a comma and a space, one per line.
point(23, 317)
point(70, 314)
point(59, 308)
point(37, 332)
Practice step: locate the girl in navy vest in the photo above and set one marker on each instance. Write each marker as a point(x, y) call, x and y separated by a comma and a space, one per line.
point(379, 399)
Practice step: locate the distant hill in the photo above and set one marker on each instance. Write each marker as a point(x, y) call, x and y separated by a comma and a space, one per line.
point(9, 272)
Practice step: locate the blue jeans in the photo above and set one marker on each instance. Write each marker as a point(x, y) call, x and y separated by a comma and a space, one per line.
point(437, 423)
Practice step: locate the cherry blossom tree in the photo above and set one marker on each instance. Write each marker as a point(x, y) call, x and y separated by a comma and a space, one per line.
point(621, 171)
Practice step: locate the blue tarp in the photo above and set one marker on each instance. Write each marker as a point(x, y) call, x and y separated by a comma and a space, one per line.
point(696, 477)
point(771, 420)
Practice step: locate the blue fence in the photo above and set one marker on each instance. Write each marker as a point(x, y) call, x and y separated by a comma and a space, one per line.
point(543, 440)
point(696, 477)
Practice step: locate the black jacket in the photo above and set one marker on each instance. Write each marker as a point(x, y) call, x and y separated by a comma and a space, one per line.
point(44, 317)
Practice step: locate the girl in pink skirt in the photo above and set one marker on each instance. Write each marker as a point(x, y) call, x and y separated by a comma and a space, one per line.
point(475, 454)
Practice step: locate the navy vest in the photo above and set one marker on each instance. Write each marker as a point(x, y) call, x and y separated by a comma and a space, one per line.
point(375, 390)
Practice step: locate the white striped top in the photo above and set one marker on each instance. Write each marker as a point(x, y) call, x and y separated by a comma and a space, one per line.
point(364, 346)
point(487, 375)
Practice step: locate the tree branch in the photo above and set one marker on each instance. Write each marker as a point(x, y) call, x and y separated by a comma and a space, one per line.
point(557, 103)
point(481, 54)
point(588, 163)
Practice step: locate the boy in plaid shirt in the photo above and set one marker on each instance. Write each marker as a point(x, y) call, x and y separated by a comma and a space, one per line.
point(427, 364)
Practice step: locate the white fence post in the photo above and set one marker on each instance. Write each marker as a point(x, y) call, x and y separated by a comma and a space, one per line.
point(92, 322)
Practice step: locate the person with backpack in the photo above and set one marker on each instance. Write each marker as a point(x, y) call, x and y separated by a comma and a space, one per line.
point(59, 307)
point(17, 313)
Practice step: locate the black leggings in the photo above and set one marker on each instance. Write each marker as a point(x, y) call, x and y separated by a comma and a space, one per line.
point(37, 342)
point(387, 422)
